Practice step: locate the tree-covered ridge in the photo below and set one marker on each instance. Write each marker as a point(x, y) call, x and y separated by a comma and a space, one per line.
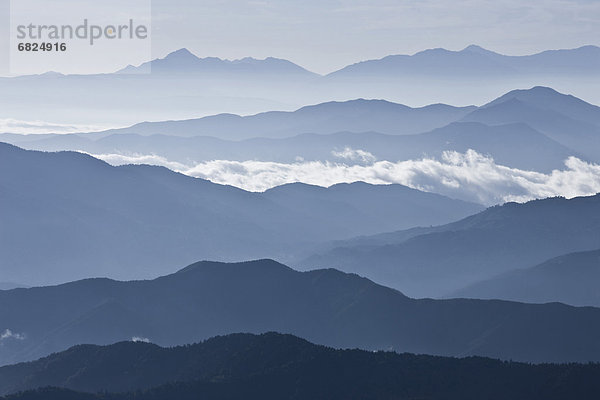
point(275, 366)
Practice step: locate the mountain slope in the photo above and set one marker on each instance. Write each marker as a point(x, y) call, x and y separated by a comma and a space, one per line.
point(440, 260)
point(571, 279)
point(324, 306)
point(67, 216)
point(273, 366)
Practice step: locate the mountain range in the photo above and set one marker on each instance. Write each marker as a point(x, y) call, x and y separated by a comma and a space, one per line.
point(441, 260)
point(476, 62)
point(274, 366)
point(324, 306)
point(67, 216)
point(182, 61)
point(535, 129)
point(570, 279)
point(471, 61)
point(353, 116)
point(185, 86)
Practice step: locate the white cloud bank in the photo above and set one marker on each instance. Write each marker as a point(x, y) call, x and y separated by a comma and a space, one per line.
point(355, 155)
point(137, 339)
point(468, 176)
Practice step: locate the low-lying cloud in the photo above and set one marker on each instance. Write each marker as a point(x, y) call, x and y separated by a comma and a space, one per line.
point(350, 154)
point(8, 334)
point(41, 127)
point(468, 176)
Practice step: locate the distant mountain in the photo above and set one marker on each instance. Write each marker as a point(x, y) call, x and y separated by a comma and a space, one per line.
point(563, 118)
point(476, 62)
point(183, 61)
point(571, 279)
point(273, 366)
point(324, 306)
point(67, 216)
point(439, 260)
point(549, 99)
point(353, 116)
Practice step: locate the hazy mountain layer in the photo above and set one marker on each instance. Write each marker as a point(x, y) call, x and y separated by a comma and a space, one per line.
point(354, 116)
point(67, 216)
point(184, 86)
point(476, 62)
point(513, 145)
point(439, 260)
point(536, 129)
point(571, 279)
point(565, 119)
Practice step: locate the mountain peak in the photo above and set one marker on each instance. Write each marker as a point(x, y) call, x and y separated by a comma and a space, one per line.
point(473, 48)
point(542, 97)
point(182, 53)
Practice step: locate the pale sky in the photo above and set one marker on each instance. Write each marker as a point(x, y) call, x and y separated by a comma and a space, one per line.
point(325, 35)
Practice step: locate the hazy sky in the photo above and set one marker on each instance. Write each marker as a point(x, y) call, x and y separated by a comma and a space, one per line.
point(324, 35)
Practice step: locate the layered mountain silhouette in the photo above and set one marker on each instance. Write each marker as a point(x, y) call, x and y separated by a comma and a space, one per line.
point(565, 119)
point(324, 306)
point(535, 129)
point(441, 260)
point(183, 85)
point(66, 216)
point(354, 116)
point(571, 279)
point(274, 366)
point(513, 145)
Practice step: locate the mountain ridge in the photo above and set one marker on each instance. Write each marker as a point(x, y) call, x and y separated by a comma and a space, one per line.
point(184, 61)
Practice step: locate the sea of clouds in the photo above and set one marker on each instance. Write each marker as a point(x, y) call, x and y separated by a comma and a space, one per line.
point(469, 176)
